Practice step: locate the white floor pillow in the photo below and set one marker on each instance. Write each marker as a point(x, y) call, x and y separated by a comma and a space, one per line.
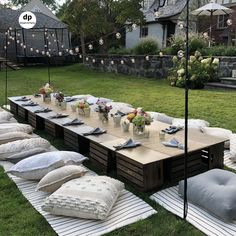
point(192, 123)
point(89, 197)
point(5, 115)
point(54, 179)
point(16, 147)
point(218, 132)
point(161, 117)
point(13, 136)
point(12, 127)
point(37, 166)
point(12, 120)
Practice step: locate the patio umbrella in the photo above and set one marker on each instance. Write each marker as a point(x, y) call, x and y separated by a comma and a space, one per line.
point(211, 9)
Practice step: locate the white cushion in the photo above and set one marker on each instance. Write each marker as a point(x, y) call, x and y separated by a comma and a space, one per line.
point(192, 123)
point(5, 115)
point(12, 120)
point(37, 166)
point(54, 179)
point(218, 132)
point(92, 100)
point(82, 96)
point(161, 117)
point(12, 148)
point(89, 197)
point(12, 127)
point(232, 148)
point(13, 136)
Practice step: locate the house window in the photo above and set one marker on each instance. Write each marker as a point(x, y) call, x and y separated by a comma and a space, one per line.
point(143, 31)
point(222, 21)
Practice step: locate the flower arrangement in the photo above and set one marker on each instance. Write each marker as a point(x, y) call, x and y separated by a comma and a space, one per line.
point(83, 107)
point(46, 89)
point(139, 117)
point(59, 97)
point(200, 71)
point(103, 109)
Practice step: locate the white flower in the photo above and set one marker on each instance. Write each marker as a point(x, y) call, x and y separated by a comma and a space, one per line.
point(216, 61)
point(180, 72)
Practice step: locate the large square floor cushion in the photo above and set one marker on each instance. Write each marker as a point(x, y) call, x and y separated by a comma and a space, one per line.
point(13, 136)
point(13, 127)
point(214, 191)
point(5, 115)
point(192, 123)
point(89, 197)
point(17, 147)
point(218, 132)
point(161, 117)
point(37, 166)
point(54, 179)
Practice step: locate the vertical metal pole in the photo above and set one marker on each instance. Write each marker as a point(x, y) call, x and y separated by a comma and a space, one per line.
point(186, 116)
point(16, 45)
point(6, 74)
point(24, 44)
point(57, 40)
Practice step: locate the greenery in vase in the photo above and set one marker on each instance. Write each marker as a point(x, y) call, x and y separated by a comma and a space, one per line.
point(46, 89)
point(139, 117)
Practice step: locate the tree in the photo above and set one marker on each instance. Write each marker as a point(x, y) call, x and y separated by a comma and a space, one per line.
point(98, 18)
point(50, 3)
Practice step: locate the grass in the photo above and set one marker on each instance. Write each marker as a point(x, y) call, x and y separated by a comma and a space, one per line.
point(17, 216)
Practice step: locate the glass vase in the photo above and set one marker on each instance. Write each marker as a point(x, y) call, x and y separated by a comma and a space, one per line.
point(138, 129)
point(47, 98)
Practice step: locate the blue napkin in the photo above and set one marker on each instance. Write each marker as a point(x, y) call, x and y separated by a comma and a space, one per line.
point(174, 143)
point(128, 144)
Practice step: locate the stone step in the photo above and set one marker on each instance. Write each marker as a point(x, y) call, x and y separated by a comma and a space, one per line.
point(228, 80)
point(219, 86)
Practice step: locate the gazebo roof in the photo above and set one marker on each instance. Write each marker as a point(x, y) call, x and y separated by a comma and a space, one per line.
point(9, 18)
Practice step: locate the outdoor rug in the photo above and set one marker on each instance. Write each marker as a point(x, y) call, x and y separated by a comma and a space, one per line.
point(196, 216)
point(228, 162)
point(127, 210)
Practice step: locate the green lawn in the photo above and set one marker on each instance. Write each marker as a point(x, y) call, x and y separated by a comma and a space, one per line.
point(17, 217)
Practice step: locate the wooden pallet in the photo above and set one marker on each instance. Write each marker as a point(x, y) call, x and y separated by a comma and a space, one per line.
point(76, 142)
point(36, 121)
point(144, 177)
point(14, 108)
point(23, 113)
point(102, 157)
point(54, 129)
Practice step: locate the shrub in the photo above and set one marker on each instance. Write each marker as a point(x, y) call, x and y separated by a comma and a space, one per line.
point(120, 51)
point(146, 46)
point(196, 43)
point(219, 51)
point(200, 71)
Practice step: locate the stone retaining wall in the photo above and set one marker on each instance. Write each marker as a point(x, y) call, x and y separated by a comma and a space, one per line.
point(155, 67)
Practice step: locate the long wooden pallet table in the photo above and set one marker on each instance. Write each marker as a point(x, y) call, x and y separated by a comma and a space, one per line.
point(146, 167)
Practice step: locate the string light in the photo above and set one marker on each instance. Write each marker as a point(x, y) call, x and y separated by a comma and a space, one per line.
point(102, 62)
point(60, 53)
point(94, 60)
point(80, 56)
point(49, 49)
point(229, 22)
point(112, 62)
point(37, 51)
point(71, 52)
point(180, 53)
point(161, 54)
point(17, 41)
point(8, 43)
point(134, 26)
point(147, 58)
point(18, 34)
point(49, 43)
point(31, 49)
point(122, 62)
point(21, 44)
point(101, 41)
point(43, 52)
point(86, 59)
point(205, 35)
point(47, 53)
point(118, 35)
point(67, 49)
point(5, 48)
point(156, 14)
point(33, 35)
point(62, 46)
point(77, 49)
point(90, 46)
point(133, 60)
point(181, 25)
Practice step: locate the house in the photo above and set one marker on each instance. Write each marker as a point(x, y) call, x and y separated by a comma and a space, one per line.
point(222, 33)
point(162, 25)
point(49, 36)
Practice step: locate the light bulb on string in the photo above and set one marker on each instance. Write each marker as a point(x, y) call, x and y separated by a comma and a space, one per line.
point(77, 49)
point(5, 47)
point(156, 14)
point(53, 35)
point(205, 35)
point(12, 38)
point(54, 40)
point(21, 44)
point(90, 46)
point(17, 41)
point(80, 56)
point(161, 54)
point(67, 50)
point(18, 34)
point(33, 35)
point(94, 60)
point(62, 46)
point(147, 58)
point(102, 62)
point(8, 43)
point(71, 52)
point(37, 51)
point(47, 53)
point(49, 49)
point(229, 22)
point(31, 49)
point(101, 41)
point(133, 60)
point(43, 52)
point(60, 53)
point(181, 25)
point(6, 33)
point(134, 26)
point(122, 62)
point(118, 35)
point(112, 62)
point(10, 28)
point(180, 53)
point(49, 43)
point(45, 45)
point(86, 58)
